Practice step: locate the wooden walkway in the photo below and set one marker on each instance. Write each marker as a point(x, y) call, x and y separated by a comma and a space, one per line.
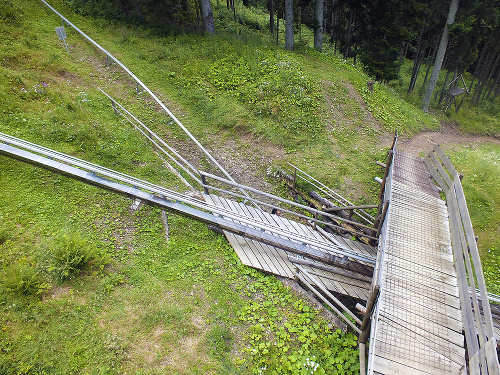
point(276, 261)
point(417, 326)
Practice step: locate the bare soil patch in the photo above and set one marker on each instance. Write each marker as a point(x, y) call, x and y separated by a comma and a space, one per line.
point(449, 133)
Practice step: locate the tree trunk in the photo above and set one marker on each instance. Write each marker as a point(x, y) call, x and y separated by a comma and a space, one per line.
point(348, 38)
point(491, 76)
point(289, 24)
point(318, 30)
point(138, 11)
point(416, 62)
point(482, 79)
point(479, 65)
point(207, 16)
point(431, 61)
point(497, 90)
point(234, 10)
point(440, 55)
point(277, 21)
point(271, 16)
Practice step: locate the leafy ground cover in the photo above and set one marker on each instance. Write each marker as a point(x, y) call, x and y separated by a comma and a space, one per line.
point(87, 285)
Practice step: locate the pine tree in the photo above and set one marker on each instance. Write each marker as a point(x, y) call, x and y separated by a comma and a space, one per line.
point(440, 55)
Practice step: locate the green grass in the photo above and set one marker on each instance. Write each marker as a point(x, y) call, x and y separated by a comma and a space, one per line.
point(480, 166)
point(87, 286)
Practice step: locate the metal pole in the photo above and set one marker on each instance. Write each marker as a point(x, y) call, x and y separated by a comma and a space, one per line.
point(311, 210)
point(139, 83)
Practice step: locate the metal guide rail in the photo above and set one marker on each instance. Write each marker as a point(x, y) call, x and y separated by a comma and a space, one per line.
point(156, 195)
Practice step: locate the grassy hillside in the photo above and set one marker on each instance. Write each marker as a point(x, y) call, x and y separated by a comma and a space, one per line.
point(87, 285)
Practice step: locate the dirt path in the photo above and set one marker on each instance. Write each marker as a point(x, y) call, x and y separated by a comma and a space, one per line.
point(448, 133)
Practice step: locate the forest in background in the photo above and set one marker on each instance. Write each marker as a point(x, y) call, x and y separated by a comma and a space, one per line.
point(379, 34)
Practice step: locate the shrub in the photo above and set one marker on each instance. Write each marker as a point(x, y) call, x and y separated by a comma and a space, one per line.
point(69, 254)
point(23, 279)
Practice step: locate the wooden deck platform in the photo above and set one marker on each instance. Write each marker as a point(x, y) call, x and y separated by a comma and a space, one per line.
point(417, 326)
point(273, 260)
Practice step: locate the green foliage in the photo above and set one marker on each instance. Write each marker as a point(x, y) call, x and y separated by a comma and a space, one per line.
point(23, 278)
point(480, 166)
point(395, 113)
point(69, 254)
point(154, 297)
point(300, 342)
point(273, 84)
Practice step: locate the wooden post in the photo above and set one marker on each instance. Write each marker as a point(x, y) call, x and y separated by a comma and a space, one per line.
point(366, 319)
point(294, 178)
point(203, 181)
point(362, 359)
point(114, 107)
point(378, 216)
point(381, 222)
point(387, 166)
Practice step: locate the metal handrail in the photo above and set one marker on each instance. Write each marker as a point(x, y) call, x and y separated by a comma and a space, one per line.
point(155, 98)
point(334, 195)
point(377, 273)
point(177, 197)
point(479, 336)
point(283, 200)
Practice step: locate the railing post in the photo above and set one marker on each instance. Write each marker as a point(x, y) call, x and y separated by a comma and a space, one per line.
point(387, 167)
point(204, 184)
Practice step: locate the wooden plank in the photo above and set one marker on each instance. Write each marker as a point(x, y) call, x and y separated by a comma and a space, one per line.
point(415, 288)
point(329, 237)
point(372, 250)
point(452, 321)
point(441, 170)
point(441, 266)
point(434, 173)
point(408, 266)
point(423, 287)
point(357, 248)
point(458, 247)
point(277, 256)
point(281, 255)
point(387, 367)
point(491, 356)
point(330, 269)
point(333, 276)
point(346, 286)
point(471, 331)
point(305, 281)
point(267, 252)
point(434, 253)
point(425, 303)
point(246, 259)
point(474, 253)
point(445, 160)
point(348, 244)
point(414, 344)
point(400, 274)
point(424, 327)
point(259, 251)
point(343, 288)
point(247, 246)
point(416, 191)
point(330, 296)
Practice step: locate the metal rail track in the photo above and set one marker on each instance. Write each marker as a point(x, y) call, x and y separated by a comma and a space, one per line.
point(167, 199)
